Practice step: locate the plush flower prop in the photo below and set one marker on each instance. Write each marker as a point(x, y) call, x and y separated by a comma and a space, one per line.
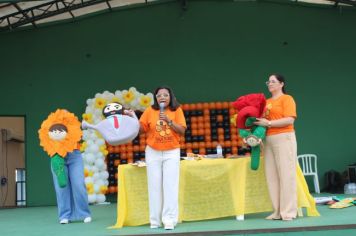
point(60, 134)
point(249, 108)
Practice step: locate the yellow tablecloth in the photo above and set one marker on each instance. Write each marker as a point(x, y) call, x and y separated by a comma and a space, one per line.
point(209, 188)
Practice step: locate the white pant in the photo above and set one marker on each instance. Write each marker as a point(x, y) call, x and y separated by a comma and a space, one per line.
point(163, 185)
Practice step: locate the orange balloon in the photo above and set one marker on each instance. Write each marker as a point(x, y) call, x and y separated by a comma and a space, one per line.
point(136, 148)
point(225, 105)
point(195, 145)
point(234, 150)
point(201, 125)
point(123, 155)
point(142, 148)
point(122, 148)
point(202, 151)
point(202, 144)
point(212, 105)
point(188, 145)
point(218, 105)
point(185, 107)
point(116, 149)
point(227, 143)
point(199, 106)
point(192, 106)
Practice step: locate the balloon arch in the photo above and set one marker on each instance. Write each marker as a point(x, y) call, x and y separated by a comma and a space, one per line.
point(94, 148)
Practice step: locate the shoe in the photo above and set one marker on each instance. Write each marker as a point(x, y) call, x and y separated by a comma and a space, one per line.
point(154, 226)
point(168, 226)
point(287, 218)
point(87, 219)
point(64, 221)
point(273, 217)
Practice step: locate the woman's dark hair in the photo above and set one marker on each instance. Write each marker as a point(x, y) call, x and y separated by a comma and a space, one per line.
point(281, 79)
point(173, 103)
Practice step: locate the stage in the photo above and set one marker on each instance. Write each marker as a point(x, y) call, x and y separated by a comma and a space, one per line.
point(43, 221)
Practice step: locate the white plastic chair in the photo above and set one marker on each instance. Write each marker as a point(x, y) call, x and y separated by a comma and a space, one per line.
point(308, 164)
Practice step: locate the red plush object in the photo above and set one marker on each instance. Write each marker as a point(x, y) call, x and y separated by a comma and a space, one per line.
point(250, 105)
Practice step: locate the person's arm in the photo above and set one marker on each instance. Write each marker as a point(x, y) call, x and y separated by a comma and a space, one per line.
point(285, 121)
point(179, 129)
point(132, 114)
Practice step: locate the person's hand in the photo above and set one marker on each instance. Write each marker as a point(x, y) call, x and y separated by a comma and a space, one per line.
point(164, 117)
point(261, 122)
point(130, 113)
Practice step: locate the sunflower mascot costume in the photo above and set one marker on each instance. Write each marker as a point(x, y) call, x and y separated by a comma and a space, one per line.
point(59, 136)
point(250, 107)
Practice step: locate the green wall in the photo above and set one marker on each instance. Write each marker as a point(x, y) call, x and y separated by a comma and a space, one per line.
point(213, 51)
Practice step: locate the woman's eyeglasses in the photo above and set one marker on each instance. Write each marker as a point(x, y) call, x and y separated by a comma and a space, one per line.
point(271, 82)
point(164, 95)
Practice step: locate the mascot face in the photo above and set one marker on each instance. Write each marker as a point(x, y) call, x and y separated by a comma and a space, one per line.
point(57, 132)
point(112, 109)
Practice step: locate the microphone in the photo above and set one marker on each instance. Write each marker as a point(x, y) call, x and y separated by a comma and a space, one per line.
point(161, 107)
point(161, 110)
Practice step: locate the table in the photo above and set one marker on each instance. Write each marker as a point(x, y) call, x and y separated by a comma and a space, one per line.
point(209, 188)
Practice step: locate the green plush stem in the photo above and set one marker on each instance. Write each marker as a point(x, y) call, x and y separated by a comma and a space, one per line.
point(259, 131)
point(250, 121)
point(244, 133)
point(255, 157)
point(57, 163)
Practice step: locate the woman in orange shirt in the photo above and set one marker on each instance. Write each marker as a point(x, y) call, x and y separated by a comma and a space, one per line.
point(280, 150)
point(164, 124)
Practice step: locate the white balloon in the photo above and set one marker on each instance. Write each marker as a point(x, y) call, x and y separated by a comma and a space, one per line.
point(88, 180)
point(106, 182)
point(89, 158)
point(104, 175)
point(89, 142)
point(96, 188)
point(90, 102)
point(96, 176)
point(99, 163)
point(92, 148)
point(100, 198)
point(99, 182)
point(100, 141)
point(92, 198)
point(94, 169)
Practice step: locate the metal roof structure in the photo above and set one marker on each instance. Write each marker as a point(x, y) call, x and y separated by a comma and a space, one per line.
point(14, 14)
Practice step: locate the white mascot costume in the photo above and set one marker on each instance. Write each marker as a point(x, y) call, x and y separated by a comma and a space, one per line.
point(116, 128)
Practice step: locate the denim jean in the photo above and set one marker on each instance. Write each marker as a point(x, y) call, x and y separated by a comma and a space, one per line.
point(72, 200)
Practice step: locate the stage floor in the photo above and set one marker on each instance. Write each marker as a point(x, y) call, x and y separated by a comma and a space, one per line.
point(43, 221)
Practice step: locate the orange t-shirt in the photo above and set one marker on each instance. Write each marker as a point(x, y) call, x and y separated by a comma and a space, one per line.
point(160, 135)
point(282, 107)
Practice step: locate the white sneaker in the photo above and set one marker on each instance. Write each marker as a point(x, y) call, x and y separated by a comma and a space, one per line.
point(168, 226)
point(87, 219)
point(64, 221)
point(154, 226)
